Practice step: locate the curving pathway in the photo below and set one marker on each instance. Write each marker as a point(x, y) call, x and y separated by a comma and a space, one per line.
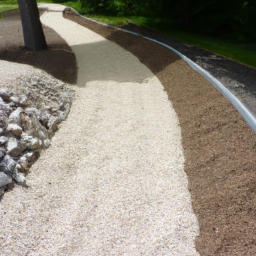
point(113, 180)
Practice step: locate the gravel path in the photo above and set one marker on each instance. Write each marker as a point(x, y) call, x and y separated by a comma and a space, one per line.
point(113, 180)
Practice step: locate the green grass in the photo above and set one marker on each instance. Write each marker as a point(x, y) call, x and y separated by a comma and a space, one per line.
point(13, 4)
point(3, 9)
point(9, 3)
point(244, 53)
point(111, 20)
point(241, 52)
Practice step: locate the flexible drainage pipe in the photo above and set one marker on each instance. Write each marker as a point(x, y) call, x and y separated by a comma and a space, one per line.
point(246, 113)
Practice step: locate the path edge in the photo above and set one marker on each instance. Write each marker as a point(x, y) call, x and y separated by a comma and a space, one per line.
point(244, 111)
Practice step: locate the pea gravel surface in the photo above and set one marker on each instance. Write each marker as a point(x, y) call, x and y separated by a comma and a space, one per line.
point(113, 180)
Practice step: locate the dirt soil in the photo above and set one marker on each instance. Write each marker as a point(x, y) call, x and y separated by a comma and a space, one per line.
point(219, 147)
point(58, 61)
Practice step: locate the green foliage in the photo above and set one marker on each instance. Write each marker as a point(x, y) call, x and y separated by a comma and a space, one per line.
point(111, 20)
point(3, 9)
point(77, 6)
point(228, 19)
point(9, 3)
point(121, 7)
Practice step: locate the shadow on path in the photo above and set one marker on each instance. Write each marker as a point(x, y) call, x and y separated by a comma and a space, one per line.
point(58, 60)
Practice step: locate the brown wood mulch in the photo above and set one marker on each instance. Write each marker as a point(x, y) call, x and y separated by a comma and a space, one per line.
point(219, 147)
point(58, 60)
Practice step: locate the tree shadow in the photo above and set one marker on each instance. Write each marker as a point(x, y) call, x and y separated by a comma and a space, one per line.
point(105, 61)
point(99, 60)
point(58, 60)
point(146, 51)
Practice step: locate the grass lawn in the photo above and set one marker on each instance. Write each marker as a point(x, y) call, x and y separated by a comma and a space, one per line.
point(8, 3)
point(111, 20)
point(3, 9)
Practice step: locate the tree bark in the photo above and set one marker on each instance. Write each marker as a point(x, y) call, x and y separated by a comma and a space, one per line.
point(32, 28)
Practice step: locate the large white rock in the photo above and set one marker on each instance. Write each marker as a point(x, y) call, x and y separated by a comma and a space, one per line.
point(2, 153)
point(4, 179)
point(3, 121)
point(14, 147)
point(20, 100)
point(46, 143)
point(53, 123)
point(3, 140)
point(25, 162)
point(15, 116)
point(42, 133)
point(4, 94)
point(14, 129)
point(18, 177)
point(8, 164)
point(30, 141)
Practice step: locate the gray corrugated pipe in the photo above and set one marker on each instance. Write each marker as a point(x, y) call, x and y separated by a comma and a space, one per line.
point(241, 108)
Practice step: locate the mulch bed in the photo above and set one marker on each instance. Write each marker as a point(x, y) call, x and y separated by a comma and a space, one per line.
point(219, 147)
point(58, 61)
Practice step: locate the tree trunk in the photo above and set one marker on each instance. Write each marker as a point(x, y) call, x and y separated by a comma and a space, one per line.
point(32, 28)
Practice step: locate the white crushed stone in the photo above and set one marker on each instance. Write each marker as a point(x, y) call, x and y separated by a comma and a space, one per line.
point(113, 180)
point(9, 72)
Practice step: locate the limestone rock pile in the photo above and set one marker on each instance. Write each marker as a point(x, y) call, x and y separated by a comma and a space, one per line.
point(30, 113)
